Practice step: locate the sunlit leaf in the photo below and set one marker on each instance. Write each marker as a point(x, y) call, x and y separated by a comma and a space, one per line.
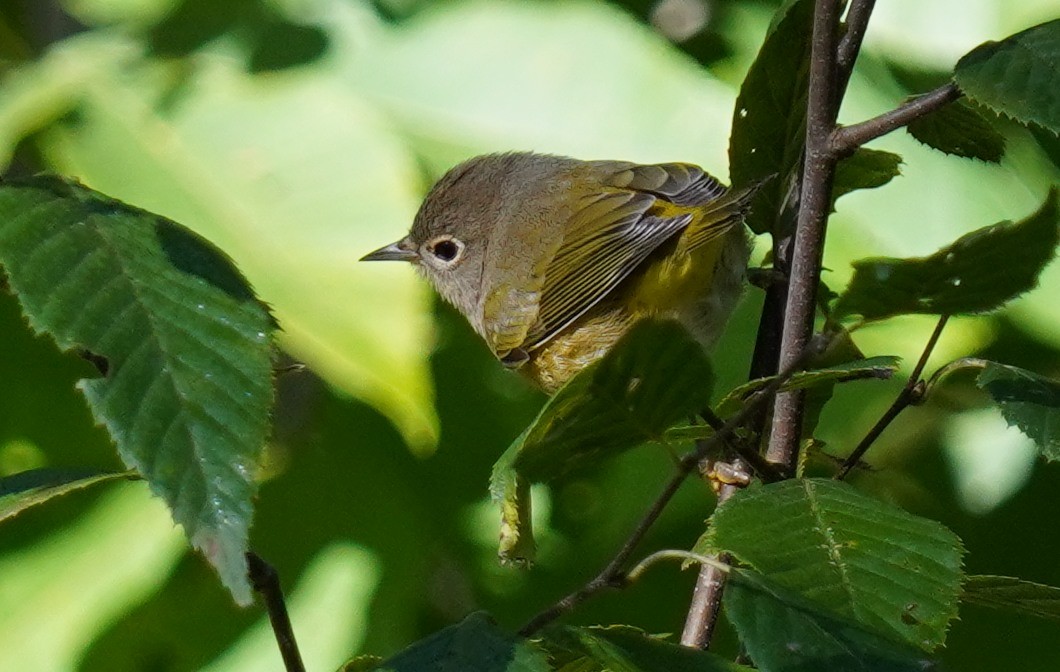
point(61, 591)
point(768, 123)
point(977, 273)
point(893, 572)
point(1018, 77)
point(960, 130)
point(295, 178)
point(1012, 594)
point(783, 631)
point(180, 340)
point(20, 491)
point(1028, 401)
point(517, 89)
point(656, 375)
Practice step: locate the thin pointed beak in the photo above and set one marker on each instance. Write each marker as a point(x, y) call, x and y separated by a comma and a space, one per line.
point(393, 252)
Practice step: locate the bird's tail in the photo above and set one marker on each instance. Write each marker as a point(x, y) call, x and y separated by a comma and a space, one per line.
point(719, 216)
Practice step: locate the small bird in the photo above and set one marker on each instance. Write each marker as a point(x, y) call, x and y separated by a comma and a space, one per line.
point(553, 259)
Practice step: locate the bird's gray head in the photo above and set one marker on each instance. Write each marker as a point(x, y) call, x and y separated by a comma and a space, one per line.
point(449, 236)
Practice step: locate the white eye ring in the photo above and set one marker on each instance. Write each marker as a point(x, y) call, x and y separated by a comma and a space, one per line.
point(445, 249)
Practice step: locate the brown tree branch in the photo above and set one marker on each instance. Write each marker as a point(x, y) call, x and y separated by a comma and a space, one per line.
point(818, 171)
point(706, 599)
point(266, 582)
point(848, 138)
point(831, 65)
point(705, 607)
point(911, 394)
point(857, 22)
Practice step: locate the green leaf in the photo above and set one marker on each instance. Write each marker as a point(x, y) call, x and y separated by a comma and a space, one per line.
point(1006, 592)
point(620, 648)
point(959, 129)
point(474, 644)
point(1028, 401)
point(20, 491)
point(180, 340)
point(293, 132)
point(977, 273)
point(820, 382)
point(879, 368)
point(1018, 77)
point(895, 573)
point(1049, 142)
point(865, 169)
point(784, 632)
point(769, 120)
point(656, 375)
point(364, 663)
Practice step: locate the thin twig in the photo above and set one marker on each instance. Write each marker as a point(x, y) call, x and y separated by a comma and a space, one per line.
point(857, 22)
point(911, 394)
point(766, 471)
point(848, 138)
point(266, 582)
point(611, 576)
point(818, 171)
point(705, 606)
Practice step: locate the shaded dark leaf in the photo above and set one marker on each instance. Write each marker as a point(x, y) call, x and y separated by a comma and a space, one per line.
point(622, 648)
point(769, 120)
point(475, 644)
point(959, 129)
point(865, 169)
point(1049, 142)
point(20, 491)
point(977, 273)
point(1018, 77)
point(1028, 401)
point(1006, 592)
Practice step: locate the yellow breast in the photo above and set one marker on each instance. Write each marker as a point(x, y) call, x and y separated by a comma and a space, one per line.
point(672, 281)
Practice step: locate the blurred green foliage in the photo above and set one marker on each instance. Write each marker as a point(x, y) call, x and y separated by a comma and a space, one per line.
point(298, 135)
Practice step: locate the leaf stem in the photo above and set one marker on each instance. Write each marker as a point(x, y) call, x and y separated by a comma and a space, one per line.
point(848, 138)
point(266, 582)
point(644, 565)
point(912, 393)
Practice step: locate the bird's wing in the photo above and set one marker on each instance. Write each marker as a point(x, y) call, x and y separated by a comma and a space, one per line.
point(686, 185)
point(679, 183)
point(606, 239)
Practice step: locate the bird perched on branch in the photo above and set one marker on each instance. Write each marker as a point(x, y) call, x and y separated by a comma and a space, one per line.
point(553, 259)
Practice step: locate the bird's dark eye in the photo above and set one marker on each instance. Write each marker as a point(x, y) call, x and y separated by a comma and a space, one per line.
point(446, 249)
